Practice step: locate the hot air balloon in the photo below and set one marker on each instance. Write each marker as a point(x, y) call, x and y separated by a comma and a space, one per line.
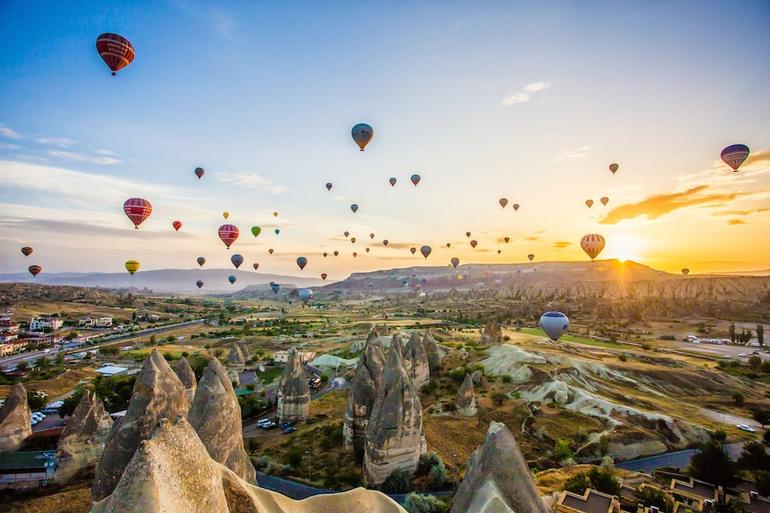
point(554, 324)
point(531, 257)
point(413, 250)
point(116, 51)
point(499, 251)
point(199, 172)
point(225, 214)
point(592, 244)
point(301, 262)
point(353, 240)
point(589, 203)
point(392, 181)
point(177, 225)
point(507, 239)
point(199, 283)
point(415, 178)
point(385, 242)
point(449, 244)
point(137, 210)
point(474, 243)
point(323, 276)
point(237, 260)
point(371, 235)
point(425, 250)
point(274, 287)
point(735, 155)
point(277, 231)
point(367, 250)
point(355, 254)
point(336, 252)
point(455, 262)
point(503, 202)
point(346, 233)
point(275, 214)
point(685, 271)
point(229, 234)
point(354, 208)
point(516, 206)
point(329, 186)
point(34, 270)
point(200, 261)
point(305, 295)
point(325, 254)
point(468, 234)
point(614, 168)
point(132, 266)
point(26, 251)
point(270, 251)
point(604, 200)
point(362, 134)
point(256, 265)
point(231, 279)
point(256, 230)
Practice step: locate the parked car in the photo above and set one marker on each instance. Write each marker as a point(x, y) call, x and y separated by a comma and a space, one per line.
point(288, 429)
point(744, 427)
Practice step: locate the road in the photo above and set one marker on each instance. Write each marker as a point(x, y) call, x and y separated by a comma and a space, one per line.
point(13, 360)
point(678, 459)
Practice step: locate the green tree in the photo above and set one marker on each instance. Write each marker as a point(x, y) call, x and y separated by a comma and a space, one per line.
point(36, 400)
point(425, 504)
point(70, 403)
point(761, 334)
point(400, 481)
point(754, 458)
point(738, 398)
point(761, 415)
point(578, 483)
point(561, 450)
point(712, 464)
point(294, 456)
point(654, 497)
point(603, 480)
point(437, 475)
point(732, 332)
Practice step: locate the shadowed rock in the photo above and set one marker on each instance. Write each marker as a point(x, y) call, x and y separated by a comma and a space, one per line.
point(158, 393)
point(186, 376)
point(172, 472)
point(244, 348)
point(366, 382)
point(394, 435)
point(497, 479)
point(293, 392)
point(416, 361)
point(492, 335)
point(398, 343)
point(216, 417)
point(82, 441)
point(431, 349)
point(465, 402)
point(235, 358)
point(15, 419)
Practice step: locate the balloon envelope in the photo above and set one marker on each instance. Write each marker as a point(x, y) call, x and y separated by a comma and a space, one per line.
point(362, 134)
point(474, 243)
point(200, 261)
point(503, 202)
point(468, 234)
point(323, 276)
point(256, 230)
point(385, 242)
point(589, 203)
point(392, 181)
point(425, 250)
point(116, 51)
point(237, 260)
point(199, 283)
point(26, 251)
point(305, 295)
point(685, 271)
point(329, 186)
point(592, 244)
point(516, 206)
point(354, 208)
point(554, 324)
point(735, 155)
point(177, 225)
point(274, 287)
point(255, 266)
point(507, 239)
point(301, 262)
point(415, 178)
point(132, 266)
point(231, 279)
point(413, 250)
point(275, 214)
point(455, 262)
point(531, 257)
point(277, 231)
point(199, 172)
point(614, 168)
point(137, 210)
point(604, 200)
point(225, 214)
point(229, 234)
point(336, 252)
point(34, 270)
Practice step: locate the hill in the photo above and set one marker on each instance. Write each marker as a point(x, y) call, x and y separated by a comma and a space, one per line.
point(164, 280)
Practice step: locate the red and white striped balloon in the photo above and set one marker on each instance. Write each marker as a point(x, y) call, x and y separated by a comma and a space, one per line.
point(137, 210)
point(592, 244)
point(116, 51)
point(229, 234)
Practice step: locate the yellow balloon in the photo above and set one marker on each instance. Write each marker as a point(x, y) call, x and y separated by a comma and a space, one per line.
point(132, 266)
point(225, 214)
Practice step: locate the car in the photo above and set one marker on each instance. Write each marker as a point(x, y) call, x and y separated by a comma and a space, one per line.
point(269, 425)
point(288, 429)
point(744, 427)
point(263, 421)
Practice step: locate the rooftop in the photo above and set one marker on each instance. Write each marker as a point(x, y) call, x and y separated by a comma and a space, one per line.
point(111, 370)
point(699, 488)
point(26, 460)
point(590, 502)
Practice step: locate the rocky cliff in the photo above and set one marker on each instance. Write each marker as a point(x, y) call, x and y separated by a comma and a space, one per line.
point(492, 335)
point(465, 402)
point(293, 392)
point(366, 382)
point(15, 419)
point(416, 361)
point(431, 349)
point(186, 376)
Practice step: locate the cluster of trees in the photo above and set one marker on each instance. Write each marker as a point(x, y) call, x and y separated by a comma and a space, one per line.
point(713, 465)
point(601, 479)
point(114, 391)
point(745, 335)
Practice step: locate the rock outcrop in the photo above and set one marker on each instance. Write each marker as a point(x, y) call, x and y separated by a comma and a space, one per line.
point(492, 335)
point(15, 419)
point(216, 417)
point(398, 343)
point(465, 402)
point(416, 361)
point(172, 472)
point(186, 376)
point(82, 442)
point(293, 392)
point(497, 479)
point(158, 393)
point(394, 434)
point(235, 358)
point(244, 349)
point(431, 349)
point(366, 382)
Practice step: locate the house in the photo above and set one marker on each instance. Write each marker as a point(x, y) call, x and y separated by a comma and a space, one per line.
point(698, 495)
point(45, 323)
point(6, 349)
point(9, 330)
point(591, 501)
point(752, 502)
point(26, 469)
point(283, 356)
point(86, 322)
point(104, 322)
point(112, 370)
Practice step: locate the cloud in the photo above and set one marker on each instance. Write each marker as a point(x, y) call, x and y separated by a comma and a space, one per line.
point(532, 238)
point(736, 221)
point(659, 205)
point(61, 142)
point(526, 93)
point(80, 157)
point(251, 181)
point(9, 133)
point(572, 154)
point(746, 212)
point(559, 244)
point(9, 146)
point(81, 228)
point(757, 157)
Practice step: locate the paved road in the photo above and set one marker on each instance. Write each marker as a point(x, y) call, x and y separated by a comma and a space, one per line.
point(672, 459)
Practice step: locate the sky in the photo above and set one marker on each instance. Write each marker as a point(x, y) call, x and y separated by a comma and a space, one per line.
point(530, 101)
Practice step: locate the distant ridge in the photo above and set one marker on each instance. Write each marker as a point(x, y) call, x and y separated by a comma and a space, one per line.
point(164, 280)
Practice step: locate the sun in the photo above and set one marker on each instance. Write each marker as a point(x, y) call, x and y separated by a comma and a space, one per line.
point(624, 247)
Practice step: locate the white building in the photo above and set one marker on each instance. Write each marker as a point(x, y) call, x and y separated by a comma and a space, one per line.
point(283, 356)
point(43, 323)
point(104, 322)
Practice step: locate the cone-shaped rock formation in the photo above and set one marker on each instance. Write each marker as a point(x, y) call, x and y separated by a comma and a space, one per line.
point(293, 392)
point(366, 382)
point(15, 419)
point(186, 376)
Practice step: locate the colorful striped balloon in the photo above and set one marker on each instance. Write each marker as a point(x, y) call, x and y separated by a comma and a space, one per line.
point(137, 210)
point(116, 51)
point(735, 155)
point(229, 234)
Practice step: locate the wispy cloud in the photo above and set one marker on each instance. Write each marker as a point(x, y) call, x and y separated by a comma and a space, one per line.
point(61, 142)
point(745, 212)
point(9, 133)
point(559, 244)
point(736, 221)
point(82, 157)
point(569, 154)
point(659, 205)
point(9, 146)
point(526, 93)
point(251, 181)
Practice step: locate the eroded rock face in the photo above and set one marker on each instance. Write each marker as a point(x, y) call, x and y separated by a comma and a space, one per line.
point(235, 358)
point(416, 361)
point(172, 472)
point(82, 441)
point(216, 417)
point(465, 402)
point(293, 392)
point(492, 335)
point(186, 376)
point(158, 393)
point(366, 382)
point(394, 435)
point(15, 419)
point(431, 349)
point(497, 479)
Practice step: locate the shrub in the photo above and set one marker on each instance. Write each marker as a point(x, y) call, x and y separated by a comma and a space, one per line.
point(507, 378)
point(499, 398)
point(561, 450)
point(428, 460)
point(623, 357)
point(577, 483)
point(400, 481)
point(654, 497)
point(603, 480)
point(425, 504)
point(738, 398)
point(294, 456)
point(437, 475)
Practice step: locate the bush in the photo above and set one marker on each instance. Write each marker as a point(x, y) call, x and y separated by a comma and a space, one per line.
point(603, 480)
point(294, 456)
point(36, 400)
point(578, 483)
point(561, 450)
point(738, 398)
point(425, 504)
point(499, 398)
point(507, 378)
point(623, 357)
point(428, 460)
point(654, 497)
point(437, 475)
point(400, 481)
